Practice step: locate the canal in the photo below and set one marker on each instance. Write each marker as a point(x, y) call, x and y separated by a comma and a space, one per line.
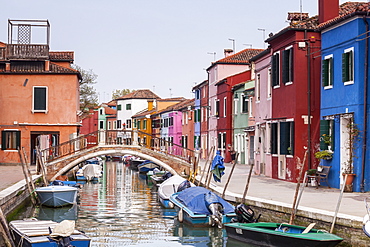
point(122, 209)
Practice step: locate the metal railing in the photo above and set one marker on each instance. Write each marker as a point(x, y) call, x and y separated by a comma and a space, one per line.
point(119, 138)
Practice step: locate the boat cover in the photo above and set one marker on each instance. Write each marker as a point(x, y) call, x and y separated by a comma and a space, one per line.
point(92, 170)
point(63, 229)
point(194, 199)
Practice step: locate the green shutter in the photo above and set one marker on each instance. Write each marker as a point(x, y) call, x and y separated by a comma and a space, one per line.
point(324, 131)
point(350, 66)
point(331, 71)
point(325, 72)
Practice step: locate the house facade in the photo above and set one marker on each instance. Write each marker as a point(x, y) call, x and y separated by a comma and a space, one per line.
point(39, 97)
point(344, 93)
point(295, 83)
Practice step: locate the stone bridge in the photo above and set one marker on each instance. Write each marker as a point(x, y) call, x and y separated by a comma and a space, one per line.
point(171, 163)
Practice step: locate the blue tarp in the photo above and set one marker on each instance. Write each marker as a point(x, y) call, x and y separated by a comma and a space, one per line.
point(218, 167)
point(194, 199)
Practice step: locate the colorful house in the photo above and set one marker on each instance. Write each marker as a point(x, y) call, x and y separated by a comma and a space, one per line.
point(39, 94)
point(263, 113)
point(232, 64)
point(344, 91)
point(295, 73)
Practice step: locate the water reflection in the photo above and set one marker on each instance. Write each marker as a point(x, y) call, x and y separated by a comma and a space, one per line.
point(122, 210)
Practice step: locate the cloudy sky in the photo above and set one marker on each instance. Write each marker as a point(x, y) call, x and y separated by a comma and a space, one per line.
point(161, 45)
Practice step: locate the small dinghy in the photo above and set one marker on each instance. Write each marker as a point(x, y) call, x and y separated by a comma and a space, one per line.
point(57, 196)
point(44, 233)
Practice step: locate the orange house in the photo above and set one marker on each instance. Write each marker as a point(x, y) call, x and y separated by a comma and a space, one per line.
point(39, 97)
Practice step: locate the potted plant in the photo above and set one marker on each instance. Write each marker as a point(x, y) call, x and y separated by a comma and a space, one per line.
point(324, 154)
point(347, 166)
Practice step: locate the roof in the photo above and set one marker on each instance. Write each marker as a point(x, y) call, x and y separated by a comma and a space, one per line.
point(199, 85)
point(109, 111)
point(347, 10)
point(242, 57)
point(61, 55)
point(177, 107)
point(140, 94)
point(37, 68)
point(143, 113)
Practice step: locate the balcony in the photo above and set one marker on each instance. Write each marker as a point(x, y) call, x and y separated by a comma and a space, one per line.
point(25, 52)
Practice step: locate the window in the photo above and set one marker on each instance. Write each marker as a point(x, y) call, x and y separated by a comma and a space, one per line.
point(327, 135)
point(171, 121)
point(109, 125)
point(250, 106)
point(236, 101)
point(144, 124)
point(119, 107)
point(197, 94)
point(225, 107)
point(244, 104)
point(138, 124)
point(40, 95)
point(128, 106)
point(347, 66)
point(287, 66)
point(217, 108)
point(275, 63)
point(101, 124)
point(282, 138)
point(258, 87)
point(11, 139)
point(119, 126)
point(128, 123)
point(327, 71)
point(269, 83)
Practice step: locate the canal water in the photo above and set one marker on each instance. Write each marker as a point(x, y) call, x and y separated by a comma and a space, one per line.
point(122, 209)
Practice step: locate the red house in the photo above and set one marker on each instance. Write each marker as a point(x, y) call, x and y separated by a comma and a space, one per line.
point(295, 79)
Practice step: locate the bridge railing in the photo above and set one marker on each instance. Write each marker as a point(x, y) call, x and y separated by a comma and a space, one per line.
point(118, 137)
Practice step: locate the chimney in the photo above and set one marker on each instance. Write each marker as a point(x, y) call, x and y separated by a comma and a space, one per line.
point(328, 9)
point(228, 52)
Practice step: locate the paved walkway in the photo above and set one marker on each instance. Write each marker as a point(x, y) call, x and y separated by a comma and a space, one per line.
point(10, 175)
point(323, 199)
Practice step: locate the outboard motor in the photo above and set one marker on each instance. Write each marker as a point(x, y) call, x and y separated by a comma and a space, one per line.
point(184, 185)
point(215, 208)
point(57, 182)
point(167, 175)
point(245, 214)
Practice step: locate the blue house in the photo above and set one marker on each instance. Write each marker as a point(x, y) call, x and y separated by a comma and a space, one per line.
point(344, 129)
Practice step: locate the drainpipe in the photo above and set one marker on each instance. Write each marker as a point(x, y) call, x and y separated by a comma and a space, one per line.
point(363, 156)
point(308, 100)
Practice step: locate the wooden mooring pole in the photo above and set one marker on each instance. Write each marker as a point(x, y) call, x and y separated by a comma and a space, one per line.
point(26, 178)
point(205, 165)
point(247, 184)
point(231, 173)
point(4, 230)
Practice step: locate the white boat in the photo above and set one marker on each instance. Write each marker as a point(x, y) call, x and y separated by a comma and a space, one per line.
point(57, 196)
point(169, 187)
point(89, 172)
point(44, 233)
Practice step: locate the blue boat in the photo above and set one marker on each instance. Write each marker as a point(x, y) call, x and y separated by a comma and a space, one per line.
point(167, 188)
point(201, 207)
point(47, 233)
point(147, 166)
point(57, 196)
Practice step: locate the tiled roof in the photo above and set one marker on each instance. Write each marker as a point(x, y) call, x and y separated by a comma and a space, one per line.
point(143, 113)
point(38, 67)
point(171, 99)
point(346, 10)
point(61, 55)
point(140, 94)
point(112, 103)
point(241, 57)
point(181, 105)
point(109, 111)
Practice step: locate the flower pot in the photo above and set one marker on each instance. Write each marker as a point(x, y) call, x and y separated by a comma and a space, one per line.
point(350, 178)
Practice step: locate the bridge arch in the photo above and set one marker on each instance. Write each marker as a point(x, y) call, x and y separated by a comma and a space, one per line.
point(72, 162)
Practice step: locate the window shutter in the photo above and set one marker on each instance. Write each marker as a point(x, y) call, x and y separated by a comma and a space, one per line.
point(324, 130)
point(331, 71)
point(274, 138)
point(39, 98)
point(350, 66)
point(291, 66)
point(345, 67)
point(325, 72)
point(275, 69)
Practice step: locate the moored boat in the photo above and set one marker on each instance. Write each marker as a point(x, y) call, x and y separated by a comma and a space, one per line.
point(36, 233)
point(279, 235)
point(366, 221)
point(201, 207)
point(147, 166)
point(90, 172)
point(57, 196)
point(169, 187)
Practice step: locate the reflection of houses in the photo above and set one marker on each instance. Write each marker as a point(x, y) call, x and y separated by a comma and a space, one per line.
point(39, 93)
point(344, 90)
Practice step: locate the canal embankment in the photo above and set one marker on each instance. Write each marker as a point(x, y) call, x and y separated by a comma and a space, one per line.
point(273, 199)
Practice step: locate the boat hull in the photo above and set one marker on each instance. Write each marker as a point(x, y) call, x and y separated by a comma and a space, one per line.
point(57, 196)
point(38, 234)
point(265, 234)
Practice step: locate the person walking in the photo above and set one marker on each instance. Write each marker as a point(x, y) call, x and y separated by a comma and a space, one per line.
point(232, 153)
